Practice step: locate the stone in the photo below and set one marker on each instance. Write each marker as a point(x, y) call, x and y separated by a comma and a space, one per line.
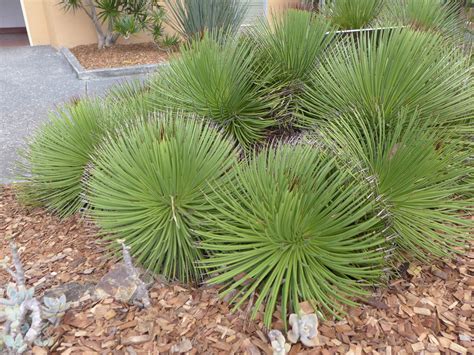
point(117, 283)
point(73, 291)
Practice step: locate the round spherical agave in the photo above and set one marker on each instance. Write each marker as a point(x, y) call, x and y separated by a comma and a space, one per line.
point(54, 160)
point(294, 226)
point(152, 183)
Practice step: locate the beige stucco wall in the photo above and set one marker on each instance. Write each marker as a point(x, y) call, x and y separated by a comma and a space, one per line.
point(47, 23)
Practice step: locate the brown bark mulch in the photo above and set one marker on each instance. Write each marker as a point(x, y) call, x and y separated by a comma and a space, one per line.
point(427, 311)
point(119, 55)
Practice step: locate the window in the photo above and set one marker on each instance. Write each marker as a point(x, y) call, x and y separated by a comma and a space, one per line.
point(257, 9)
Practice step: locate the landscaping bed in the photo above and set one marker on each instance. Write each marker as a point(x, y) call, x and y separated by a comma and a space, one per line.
point(120, 55)
point(428, 308)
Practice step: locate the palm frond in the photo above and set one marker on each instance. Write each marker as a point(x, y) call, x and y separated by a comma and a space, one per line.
point(151, 185)
point(294, 227)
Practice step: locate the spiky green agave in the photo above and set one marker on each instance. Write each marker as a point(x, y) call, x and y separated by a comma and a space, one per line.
point(53, 162)
point(216, 81)
point(151, 185)
point(427, 15)
point(193, 18)
point(289, 46)
point(388, 71)
point(419, 178)
point(350, 14)
point(296, 227)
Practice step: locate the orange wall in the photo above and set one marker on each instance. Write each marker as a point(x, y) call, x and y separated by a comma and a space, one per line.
point(47, 23)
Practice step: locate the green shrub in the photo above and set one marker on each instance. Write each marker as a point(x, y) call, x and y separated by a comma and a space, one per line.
point(350, 14)
point(296, 226)
point(151, 185)
point(418, 175)
point(427, 15)
point(193, 18)
point(216, 81)
point(288, 47)
point(386, 72)
point(54, 160)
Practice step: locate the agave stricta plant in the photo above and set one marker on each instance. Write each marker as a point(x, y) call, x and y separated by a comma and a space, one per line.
point(216, 80)
point(54, 160)
point(294, 227)
point(389, 71)
point(193, 18)
point(349, 14)
point(288, 48)
point(419, 178)
point(151, 184)
point(427, 15)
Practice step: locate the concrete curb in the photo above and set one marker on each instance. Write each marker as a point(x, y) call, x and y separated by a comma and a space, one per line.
point(84, 74)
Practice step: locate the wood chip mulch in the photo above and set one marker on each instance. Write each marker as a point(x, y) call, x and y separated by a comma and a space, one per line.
point(428, 311)
point(119, 55)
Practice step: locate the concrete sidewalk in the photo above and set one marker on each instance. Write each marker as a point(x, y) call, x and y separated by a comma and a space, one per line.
point(33, 81)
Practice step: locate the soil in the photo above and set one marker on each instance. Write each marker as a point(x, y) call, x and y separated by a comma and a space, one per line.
point(427, 310)
point(119, 55)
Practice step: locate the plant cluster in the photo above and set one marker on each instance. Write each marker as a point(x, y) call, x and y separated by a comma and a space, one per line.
point(441, 16)
point(283, 165)
point(349, 14)
point(115, 18)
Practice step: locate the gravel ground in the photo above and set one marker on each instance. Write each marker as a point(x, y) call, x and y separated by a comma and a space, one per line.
point(427, 310)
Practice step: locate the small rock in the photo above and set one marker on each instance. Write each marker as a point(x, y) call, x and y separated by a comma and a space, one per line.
point(118, 284)
point(73, 291)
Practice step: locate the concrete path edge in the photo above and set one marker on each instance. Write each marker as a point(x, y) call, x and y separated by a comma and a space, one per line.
point(84, 74)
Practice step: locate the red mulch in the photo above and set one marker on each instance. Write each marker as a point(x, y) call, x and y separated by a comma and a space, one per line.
point(119, 55)
point(428, 311)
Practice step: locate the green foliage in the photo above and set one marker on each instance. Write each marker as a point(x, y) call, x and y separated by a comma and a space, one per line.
point(193, 18)
point(55, 159)
point(418, 178)
point(216, 80)
point(150, 186)
point(296, 226)
point(25, 320)
point(114, 18)
point(427, 15)
point(391, 70)
point(288, 48)
point(350, 14)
